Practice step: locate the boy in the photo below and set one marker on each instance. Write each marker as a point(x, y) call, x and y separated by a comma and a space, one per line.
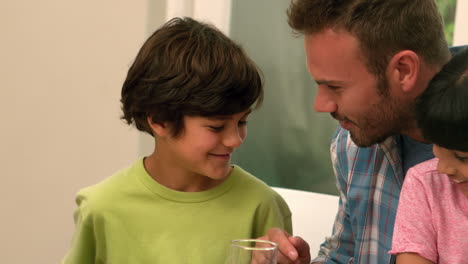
point(192, 89)
point(432, 219)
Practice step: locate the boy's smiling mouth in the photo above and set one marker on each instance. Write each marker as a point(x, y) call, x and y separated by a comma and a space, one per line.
point(226, 156)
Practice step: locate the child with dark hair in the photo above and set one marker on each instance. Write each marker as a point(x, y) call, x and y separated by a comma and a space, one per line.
point(191, 88)
point(432, 220)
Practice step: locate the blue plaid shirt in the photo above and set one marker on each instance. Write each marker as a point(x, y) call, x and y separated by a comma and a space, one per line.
point(369, 181)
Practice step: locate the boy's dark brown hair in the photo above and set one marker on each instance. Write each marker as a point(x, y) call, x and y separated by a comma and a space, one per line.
point(188, 68)
point(383, 27)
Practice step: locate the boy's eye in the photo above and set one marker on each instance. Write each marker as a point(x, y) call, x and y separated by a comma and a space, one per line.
point(242, 122)
point(216, 128)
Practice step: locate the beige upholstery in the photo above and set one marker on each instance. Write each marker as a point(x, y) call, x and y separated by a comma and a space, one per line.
point(312, 215)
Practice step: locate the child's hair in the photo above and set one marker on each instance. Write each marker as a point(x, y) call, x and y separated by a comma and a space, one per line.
point(188, 68)
point(442, 109)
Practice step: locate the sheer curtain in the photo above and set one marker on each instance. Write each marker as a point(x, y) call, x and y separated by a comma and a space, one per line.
point(288, 143)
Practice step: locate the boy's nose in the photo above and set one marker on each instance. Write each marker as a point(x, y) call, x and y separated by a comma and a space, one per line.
point(233, 140)
point(323, 103)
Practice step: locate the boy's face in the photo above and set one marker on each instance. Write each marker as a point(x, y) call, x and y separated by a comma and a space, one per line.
point(205, 146)
point(349, 92)
point(455, 165)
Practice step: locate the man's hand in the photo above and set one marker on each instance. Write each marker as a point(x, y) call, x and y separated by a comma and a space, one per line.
point(292, 249)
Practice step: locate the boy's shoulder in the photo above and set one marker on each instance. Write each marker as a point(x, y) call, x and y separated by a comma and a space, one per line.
point(110, 188)
point(251, 189)
point(252, 185)
point(246, 178)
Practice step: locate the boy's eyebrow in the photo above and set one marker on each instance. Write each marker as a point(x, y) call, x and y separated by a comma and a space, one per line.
point(228, 117)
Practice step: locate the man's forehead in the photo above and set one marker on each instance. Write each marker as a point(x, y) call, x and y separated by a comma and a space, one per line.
point(333, 57)
point(333, 43)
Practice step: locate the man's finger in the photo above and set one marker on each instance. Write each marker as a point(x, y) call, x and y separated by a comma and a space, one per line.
point(302, 248)
point(287, 252)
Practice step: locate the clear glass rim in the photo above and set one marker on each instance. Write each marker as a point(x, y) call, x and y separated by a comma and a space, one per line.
point(235, 243)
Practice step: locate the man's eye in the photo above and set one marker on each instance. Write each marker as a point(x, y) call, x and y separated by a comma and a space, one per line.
point(333, 87)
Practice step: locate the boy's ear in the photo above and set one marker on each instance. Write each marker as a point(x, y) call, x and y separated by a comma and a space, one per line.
point(403, 70)
point(158, 129)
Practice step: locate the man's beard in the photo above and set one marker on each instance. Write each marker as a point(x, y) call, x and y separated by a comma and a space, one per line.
point(383, 119)
point(380, 122)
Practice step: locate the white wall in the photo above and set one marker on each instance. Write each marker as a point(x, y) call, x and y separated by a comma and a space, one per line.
point(62, 66)
point(460, 36)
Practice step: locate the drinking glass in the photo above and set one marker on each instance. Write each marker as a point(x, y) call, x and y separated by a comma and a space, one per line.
point(253, 251)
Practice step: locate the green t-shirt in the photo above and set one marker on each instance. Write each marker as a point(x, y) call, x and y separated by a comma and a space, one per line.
point(129, 218)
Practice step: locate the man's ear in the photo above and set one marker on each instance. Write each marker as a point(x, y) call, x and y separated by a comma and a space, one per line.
point(403, 71)
point(160, 130)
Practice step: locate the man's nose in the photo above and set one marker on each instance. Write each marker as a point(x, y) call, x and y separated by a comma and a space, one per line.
point(323, 102)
